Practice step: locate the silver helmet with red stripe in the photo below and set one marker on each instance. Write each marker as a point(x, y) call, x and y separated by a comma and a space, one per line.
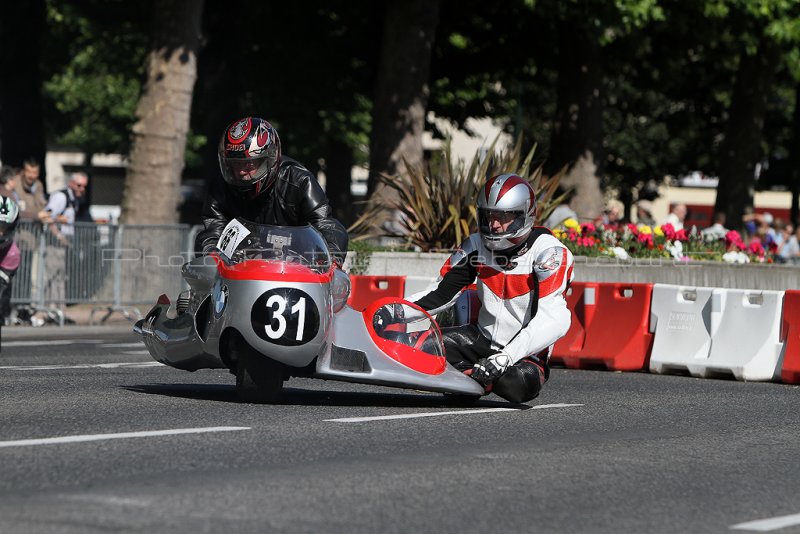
point(506, 211)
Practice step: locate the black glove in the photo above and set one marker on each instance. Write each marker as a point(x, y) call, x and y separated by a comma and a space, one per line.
point(487, 370)
point(387, 315)
point(211, 249)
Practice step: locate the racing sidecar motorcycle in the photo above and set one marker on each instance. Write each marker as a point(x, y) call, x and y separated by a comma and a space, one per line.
point(270, 305)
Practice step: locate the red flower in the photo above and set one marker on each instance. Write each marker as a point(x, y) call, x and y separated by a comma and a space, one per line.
point(646, 239)
point(588, 228)
point(756, 248)
point(681, 235)
point(572, 235)
point(660, 247)
point(633, 229)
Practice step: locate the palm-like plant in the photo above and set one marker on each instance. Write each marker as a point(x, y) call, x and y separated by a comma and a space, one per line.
point(437, 209)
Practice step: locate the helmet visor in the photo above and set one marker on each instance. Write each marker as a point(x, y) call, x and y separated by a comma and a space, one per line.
point(500, 223)
point(246, 173)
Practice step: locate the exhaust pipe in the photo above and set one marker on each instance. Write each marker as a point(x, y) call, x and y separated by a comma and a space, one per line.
point(174, 341)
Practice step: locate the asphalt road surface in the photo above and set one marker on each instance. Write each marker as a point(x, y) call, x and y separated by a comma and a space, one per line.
point(96, 437)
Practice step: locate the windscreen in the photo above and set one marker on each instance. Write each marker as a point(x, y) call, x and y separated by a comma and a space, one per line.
point(408, 325)
point(244, 240)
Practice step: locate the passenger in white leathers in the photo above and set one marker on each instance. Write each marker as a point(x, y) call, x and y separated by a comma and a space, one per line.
point(521, 273)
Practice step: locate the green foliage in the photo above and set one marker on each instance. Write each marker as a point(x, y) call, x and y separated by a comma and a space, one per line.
point(436, 201)
point(94, 91)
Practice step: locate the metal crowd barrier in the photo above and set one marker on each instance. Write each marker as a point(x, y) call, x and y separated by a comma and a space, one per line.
point(116, 268)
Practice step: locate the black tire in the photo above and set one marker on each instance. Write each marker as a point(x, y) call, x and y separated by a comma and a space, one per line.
point(259, 379)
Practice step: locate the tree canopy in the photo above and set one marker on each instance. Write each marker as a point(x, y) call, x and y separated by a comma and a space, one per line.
point(671, 85)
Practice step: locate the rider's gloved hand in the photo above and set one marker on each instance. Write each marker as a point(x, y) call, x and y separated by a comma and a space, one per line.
point(211, 249)
point(487, 370)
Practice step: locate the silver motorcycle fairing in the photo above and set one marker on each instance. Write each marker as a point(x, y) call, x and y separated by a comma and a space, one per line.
point(244, 296)
point(191, 340)
point(353, 356)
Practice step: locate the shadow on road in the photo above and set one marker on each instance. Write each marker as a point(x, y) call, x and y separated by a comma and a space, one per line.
point(306, 397)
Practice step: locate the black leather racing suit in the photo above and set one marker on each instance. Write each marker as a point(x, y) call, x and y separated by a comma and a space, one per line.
point(295, 199)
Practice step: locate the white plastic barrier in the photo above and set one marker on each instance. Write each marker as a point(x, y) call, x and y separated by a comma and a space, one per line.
point(716, 332)
point(747, 343)
point(681, 318)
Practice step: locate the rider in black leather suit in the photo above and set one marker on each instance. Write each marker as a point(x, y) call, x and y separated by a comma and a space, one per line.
point(260, 185)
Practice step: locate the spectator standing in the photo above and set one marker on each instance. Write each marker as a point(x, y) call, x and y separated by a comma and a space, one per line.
point(789, 252)
point(644, 213)
point(677, 216)
point(61, 210)
point(611, 217)
point(717, 230)
point(30, 192)
point(562, 212)
point(31, 201)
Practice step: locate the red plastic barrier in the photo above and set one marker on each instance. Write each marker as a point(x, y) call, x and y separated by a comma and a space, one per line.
point(610, 327)
point(790, 335)
point(571, 345)
point(364, 290)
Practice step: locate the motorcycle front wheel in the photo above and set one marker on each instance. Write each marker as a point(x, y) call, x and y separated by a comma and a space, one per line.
point(259, 379)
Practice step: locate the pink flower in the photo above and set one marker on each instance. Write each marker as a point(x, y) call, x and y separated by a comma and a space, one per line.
point(633, 229)
point(587, 228)
point(572, 235)
point(732, 237)
point(733, 241)
point(669, 231)
point(646, 239)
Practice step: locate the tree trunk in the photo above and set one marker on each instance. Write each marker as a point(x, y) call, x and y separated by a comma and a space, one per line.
point(152, 183)
point(794, 172)
point(338, 173)
point(401, 89)
point(741, 148)
point(21, 115)
point(577, 138)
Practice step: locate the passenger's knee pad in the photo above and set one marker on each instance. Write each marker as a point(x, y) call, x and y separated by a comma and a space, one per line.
point(521, 383)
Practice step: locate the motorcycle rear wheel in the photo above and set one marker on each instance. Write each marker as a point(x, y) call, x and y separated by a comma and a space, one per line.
point(259, 379)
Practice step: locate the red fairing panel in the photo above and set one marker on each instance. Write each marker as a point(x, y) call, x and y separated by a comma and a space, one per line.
point(410, 357)
point(270, 271)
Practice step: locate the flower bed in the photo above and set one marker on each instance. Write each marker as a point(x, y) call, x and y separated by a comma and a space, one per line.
point(631, 241)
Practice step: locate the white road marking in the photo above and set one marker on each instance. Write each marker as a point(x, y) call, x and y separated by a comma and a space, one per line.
point(773, 523)
point(122, 345)
point(437, 414)
point(51, 342)
point(113, 365)
point(109, 500)
point(121, 435)
point(135, 352)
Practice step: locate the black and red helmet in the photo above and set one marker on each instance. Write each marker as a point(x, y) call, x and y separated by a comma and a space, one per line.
point(249, 155)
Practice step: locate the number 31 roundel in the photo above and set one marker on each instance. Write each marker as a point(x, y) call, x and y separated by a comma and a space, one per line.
point(285, 316)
